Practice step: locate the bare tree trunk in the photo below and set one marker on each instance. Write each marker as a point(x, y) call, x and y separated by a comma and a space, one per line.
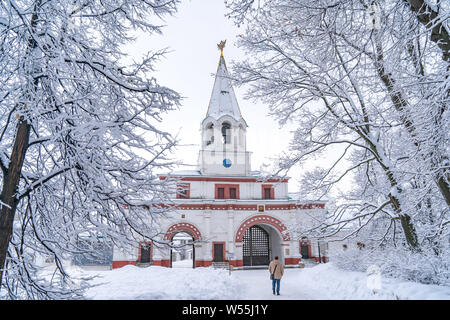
point(9, 189)
point(406, 223)
point(441, 178)
point(11, 178)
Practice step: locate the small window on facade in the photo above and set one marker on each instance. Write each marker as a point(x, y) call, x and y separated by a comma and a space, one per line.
point(183, 191)
point(227, 191)
point(221, 193)
point(267, 193)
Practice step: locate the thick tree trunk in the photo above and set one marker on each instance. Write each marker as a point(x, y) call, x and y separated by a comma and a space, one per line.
point(428, 17)
point(9, 189)
point(408, 227)
point(11, 178)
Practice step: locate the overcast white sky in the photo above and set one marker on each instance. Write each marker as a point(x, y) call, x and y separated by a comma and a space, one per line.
point(192, 36)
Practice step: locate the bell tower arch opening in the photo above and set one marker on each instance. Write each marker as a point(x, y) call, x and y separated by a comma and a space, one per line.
point(226, 132)
point(209, 135)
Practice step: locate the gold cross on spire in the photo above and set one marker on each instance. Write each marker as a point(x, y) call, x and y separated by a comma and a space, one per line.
point(221, 45)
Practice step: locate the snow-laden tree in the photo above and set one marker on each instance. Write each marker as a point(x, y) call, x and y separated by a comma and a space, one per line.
point(368, 80)
point(79, 141)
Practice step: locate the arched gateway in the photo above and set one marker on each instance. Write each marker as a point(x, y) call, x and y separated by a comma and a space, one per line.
point(256, 248)
point(262, 219)
point(235, 215)
point(179, 249)
point(182, 226)
point(261, 238)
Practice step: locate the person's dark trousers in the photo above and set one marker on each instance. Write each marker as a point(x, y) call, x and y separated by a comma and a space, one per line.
point(277, 282)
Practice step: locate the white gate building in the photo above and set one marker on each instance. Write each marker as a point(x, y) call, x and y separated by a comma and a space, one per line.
point(232, 213)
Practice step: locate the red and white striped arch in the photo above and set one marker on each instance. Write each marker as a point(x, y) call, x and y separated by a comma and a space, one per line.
point(262, 219)
point(183, 227)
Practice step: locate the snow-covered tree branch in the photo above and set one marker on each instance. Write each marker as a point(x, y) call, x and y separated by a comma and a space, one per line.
point(369, 81)
point(79, 145)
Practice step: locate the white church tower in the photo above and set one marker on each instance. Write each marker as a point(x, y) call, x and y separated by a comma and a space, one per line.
point(231, 214)
point(224, 147)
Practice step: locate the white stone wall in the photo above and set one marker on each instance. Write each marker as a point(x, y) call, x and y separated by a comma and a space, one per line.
point(247, 190)
point(212, 162)
point(222, 226)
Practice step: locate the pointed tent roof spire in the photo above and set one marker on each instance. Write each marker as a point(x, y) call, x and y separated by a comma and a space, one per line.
point(221, 45)
point(223, 100)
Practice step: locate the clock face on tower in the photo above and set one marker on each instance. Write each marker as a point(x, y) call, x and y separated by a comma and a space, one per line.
point(226, 163)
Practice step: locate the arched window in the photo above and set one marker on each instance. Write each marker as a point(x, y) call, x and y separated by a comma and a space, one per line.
point(209, 134)
point(226, 132)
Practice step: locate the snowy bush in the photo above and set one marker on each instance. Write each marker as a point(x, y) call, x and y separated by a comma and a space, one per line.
point(424, 267)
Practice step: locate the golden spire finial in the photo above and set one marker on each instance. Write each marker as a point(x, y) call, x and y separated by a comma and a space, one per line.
point(221, 45)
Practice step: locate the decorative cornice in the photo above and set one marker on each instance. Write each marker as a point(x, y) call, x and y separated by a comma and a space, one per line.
point(224, 179)
point(240, 206)
point(248, 207)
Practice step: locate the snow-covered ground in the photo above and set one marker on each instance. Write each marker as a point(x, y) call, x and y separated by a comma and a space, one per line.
point(323, 281)
point(182, 264)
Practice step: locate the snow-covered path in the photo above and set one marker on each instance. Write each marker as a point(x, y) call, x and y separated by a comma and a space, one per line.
point(258, 286)
point(319, 282)
point(132, 282)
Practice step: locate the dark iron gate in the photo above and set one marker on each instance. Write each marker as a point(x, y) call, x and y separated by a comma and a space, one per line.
point(256, 250)
point(145, 253)
point(305, 250)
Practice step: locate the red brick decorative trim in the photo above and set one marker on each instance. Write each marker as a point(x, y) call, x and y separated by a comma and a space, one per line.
point(262, 219)
point(161, 263)
point(203, 263)
point(236, 263)
point(121, 263)
point(281, 206)
point(246, 207)
point(183, 227)
point(291, 261)
point(235, 206)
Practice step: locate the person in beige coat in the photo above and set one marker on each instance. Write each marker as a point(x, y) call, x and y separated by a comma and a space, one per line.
point(277, 270)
